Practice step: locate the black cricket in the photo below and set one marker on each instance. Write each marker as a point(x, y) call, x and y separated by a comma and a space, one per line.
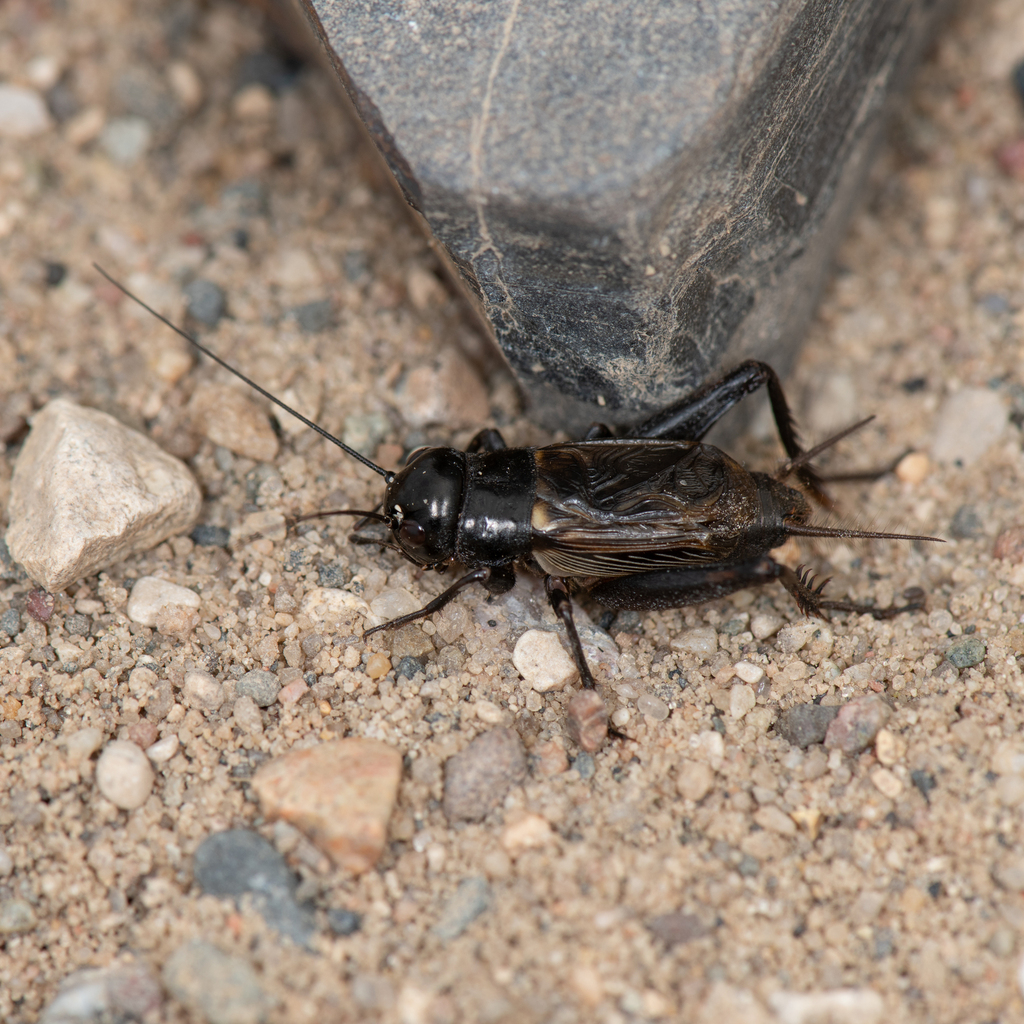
point(648, 520)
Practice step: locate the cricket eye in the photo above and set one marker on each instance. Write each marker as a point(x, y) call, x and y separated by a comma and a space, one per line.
point(412, 533)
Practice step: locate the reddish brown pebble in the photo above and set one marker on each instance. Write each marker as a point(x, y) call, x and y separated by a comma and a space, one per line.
point(378, 665)
point(477, 779)
point(39, 605)
point(338, 794)
point(1010, 544)
point(1011, 158)
point(551, 757)
point(857, 724)
point(143, 734)
point(586, 720)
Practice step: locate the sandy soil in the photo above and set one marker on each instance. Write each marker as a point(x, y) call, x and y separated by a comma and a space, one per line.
point(899, 870)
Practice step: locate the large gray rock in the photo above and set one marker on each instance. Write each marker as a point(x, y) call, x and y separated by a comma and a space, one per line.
point(636, 194)
point(88, 491)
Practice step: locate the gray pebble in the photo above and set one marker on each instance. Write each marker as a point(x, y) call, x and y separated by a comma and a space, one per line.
point(122, 992)
point(207, 536)
point(76, 625)
point(314, 317)
point(965, 523)
point(344, 922)
point(335, 575)
point(221, 989)
point(407, 667)
point(677, 928)
point(469, 901)
point(205, 300)
point(16, 916)
point(259, 684)
point(477, 779)
point(10, 622)
point(22, 112)
point(239, 861)
point(585, 764)
point(967, 652)
point(805, 724)
point(748, 866)
point(125, 139)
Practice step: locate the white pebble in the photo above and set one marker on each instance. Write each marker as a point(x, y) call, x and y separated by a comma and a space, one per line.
point(620, 717)
point(83, 743)
point(164, 749)
point(702, 641)
point(887, 783)
point(22, 112)
point(88, 492)
point(542, 661)
point(124, 775)
point(392, 603)
point(764, 625)
point(749, 672)
point(489, 712)
point(627, 691)
point(652, 706)
point(694, 780)
point(793, 638)
point(968, 423)
point(201, 690)
point(741, 700)
point(150, 596)
point(839, 1006)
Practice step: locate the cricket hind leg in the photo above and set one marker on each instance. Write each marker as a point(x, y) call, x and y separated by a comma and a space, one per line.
point(673, 588)
point(695, 415)
point(807, 593)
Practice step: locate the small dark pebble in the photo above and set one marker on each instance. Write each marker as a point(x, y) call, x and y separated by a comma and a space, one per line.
point(805, 724)
point(240, 237)
point(924, 781)
point(39, 605)
point(1018, 80)
point(277, 73)
point(344, 922)
point(676, 928)
point(314, 317)
point(55, 273)
point(966, 523)
point(994, 304)
point(469, 901)
point(967, 653)
point(10, 622)
point(407, 668)
point(295, 559)
point(748, 866)
point(205, 300)
point(208, 536)
point(239, 861)
point(63, 102)
point(627, 621)
point(718, 724)
point(334, 575)
point(914, 384)
point(355, 264)
point(259, 684)
point(585, 764)
point(935, 890)
point(885, 943)
point(734, 627)
point(78, 625)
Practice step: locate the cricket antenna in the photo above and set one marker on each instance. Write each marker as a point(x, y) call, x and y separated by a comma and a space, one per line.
point(388, 476)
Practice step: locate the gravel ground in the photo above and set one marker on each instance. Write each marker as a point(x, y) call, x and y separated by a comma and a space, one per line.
point(706, 868)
